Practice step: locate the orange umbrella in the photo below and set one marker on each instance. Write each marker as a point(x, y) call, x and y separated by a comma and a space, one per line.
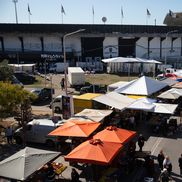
point(114, 134)
point(94, 151)
point(76, 128)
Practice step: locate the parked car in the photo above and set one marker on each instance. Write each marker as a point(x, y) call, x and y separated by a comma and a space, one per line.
point(24, 77)
point(15, 81)
point(42, 94)
point(93, 89)
point(37, 132)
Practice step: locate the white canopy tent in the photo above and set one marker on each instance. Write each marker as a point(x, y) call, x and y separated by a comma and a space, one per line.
point(142, 86)
point(94, 114)
point(171, 94)
point(114, 100)
point(25, 162)
point(144, 104)
point(165, 108)
point(129, 60)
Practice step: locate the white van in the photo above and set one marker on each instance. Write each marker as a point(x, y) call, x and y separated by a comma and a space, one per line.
point(56, 104)
point(37, 132)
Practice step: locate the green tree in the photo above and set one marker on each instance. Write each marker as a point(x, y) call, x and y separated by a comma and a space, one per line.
point(14, 101)
point(6, 72)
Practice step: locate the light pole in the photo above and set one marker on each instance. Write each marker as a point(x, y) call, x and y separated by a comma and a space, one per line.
point(64, 50)
point(170, 32)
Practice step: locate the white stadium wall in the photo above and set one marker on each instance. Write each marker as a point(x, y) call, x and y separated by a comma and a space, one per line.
point(154, 48)
point(12, 43)
point(32, 43)
point(52, 43)
point(141, 47)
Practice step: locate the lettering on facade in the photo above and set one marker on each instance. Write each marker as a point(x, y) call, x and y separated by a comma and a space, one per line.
point(51, 56)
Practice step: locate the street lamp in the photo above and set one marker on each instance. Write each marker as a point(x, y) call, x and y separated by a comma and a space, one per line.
point(64, 50)
point(170, 32)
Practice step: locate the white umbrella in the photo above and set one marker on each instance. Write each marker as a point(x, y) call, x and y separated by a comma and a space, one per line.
point(25, 162)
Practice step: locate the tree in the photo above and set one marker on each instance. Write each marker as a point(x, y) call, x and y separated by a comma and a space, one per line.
point(15, 101)
point(6, 72)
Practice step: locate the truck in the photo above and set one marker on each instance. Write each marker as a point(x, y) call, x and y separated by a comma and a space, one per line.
point(37, 132)
point(76, 76)
point(57, 67)
point(80, 102)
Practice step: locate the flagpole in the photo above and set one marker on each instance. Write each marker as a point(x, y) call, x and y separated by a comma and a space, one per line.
point(122, 15)
point(62, 16)
point(15, 1)
point(29, 18)
point(93, 14)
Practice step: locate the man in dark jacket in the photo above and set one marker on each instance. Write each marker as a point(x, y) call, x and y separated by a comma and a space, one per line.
point(141, 141)
point(180, 164)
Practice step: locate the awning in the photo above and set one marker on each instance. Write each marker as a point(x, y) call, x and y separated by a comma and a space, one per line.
point(115, 100)
point(94, 114)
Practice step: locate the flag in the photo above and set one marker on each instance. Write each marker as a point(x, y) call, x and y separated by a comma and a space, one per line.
point(29, 10)
point(93, 10)
point(170, 13)
point(148, 13)
point(62, 10)
point(122, 14)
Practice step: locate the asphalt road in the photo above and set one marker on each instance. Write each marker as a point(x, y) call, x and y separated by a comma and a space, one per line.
point(171, 146)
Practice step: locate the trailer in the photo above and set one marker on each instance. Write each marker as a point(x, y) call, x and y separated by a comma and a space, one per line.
point(76, 76)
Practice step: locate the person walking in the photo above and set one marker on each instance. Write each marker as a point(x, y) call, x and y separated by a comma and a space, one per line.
point(180, 164)
point(62, 83)
point(141, 141)
point(160, 159)
point(9, 135)
point(167, 164)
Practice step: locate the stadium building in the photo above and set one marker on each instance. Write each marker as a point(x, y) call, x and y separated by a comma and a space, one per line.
point(43, 43)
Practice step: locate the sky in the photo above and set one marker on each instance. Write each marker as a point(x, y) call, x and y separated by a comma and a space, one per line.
point(81, 11)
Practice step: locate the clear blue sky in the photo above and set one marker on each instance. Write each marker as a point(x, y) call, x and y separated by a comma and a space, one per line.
point(80, 11)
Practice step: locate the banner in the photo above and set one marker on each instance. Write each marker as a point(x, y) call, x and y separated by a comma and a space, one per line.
point(67, 106)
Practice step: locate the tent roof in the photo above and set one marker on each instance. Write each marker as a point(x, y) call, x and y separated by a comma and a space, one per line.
point(171, 94)
point(142, 86)
point(94, 151)
point(94, 114)
point(114, 134)
point(177, 85)
point(25, 162)
point(129, 60)
point(76, 128)
point(114, 100)
point(165, 108)
point(145, 104)
point(169, 81)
